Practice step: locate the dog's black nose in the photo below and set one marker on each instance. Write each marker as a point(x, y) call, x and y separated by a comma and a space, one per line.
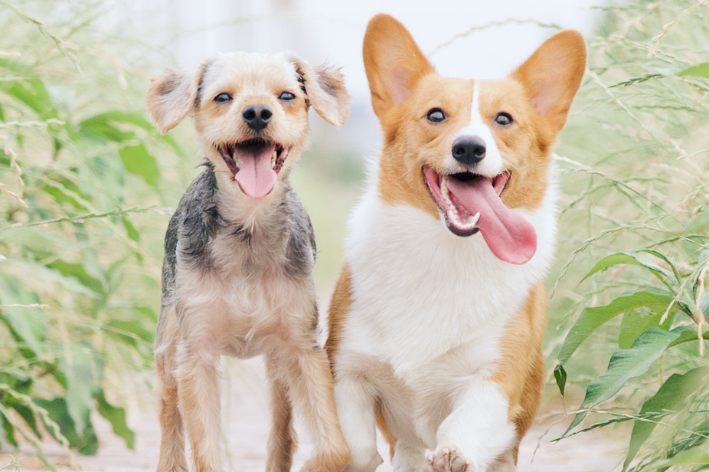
point(257, 116)
point(469, 150)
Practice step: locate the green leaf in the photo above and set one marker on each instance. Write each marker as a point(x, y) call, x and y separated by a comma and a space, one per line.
point(7, 432)
point(99, 127)
point(27, 325)
point(674, 391)
point(86, 443)
point(117, 417)
point(667, 260)
point(632, 258)
point(130, 229)
point(624, 365)
point(700, 70)
point(129, 331)
point(82, 368)
point(635, 322)
point(695, 456)
point(138, 161)
point(593, 317)
point(560, 376)
point(26, 413)
point(33, 93)
point(79, 272)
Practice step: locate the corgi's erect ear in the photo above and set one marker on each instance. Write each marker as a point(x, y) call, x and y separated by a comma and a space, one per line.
point(171, 96)
point(325, 89)
point(552, 76)
point(393, 61)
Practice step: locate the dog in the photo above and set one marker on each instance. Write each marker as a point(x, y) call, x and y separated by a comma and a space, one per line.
point(436, 322)
point(239, 255)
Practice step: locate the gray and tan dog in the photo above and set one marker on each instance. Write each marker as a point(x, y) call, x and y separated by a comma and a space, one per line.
point(239, 257)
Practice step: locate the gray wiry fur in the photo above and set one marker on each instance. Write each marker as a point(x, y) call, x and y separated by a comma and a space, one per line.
point(197, 222)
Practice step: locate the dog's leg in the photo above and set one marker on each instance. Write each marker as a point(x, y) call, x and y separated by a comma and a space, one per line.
point(355, 407)
point(476, 433)
point(311, 387)
point(282, 441)
point(198, 388)
point(172, 442)
point(408, 458)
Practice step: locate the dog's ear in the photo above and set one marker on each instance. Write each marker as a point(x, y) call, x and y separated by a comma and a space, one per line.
point(171, 96)
point(552, 75)
point(325, 89)
point(393, 61)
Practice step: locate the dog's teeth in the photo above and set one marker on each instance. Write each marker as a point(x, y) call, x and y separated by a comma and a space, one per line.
point(475, 219)
point(274, 157)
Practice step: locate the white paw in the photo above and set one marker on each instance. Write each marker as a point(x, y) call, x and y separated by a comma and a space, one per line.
point(447, 459)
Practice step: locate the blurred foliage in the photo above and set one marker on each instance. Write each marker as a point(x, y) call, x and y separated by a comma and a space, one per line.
point(83, 176)
point(630, 302)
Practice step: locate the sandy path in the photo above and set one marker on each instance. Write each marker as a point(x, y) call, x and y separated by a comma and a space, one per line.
point(248, 430)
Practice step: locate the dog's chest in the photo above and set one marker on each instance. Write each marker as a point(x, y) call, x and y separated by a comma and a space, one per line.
point(419, 291)
point(245, 302)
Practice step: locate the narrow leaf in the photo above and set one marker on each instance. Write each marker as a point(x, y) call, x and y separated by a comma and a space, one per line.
point(632, 258)
point(593, 317)
point(560, 376)
point(700, 70)
point(674, 391)
point(695, 456)
point(117, 417)
point(624, 365)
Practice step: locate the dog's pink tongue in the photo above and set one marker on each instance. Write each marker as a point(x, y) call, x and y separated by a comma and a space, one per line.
point(256, 176)
point(507, 233)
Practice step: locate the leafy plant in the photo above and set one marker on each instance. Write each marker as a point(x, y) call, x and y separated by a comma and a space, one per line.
point(634, 158)
point(81, 181)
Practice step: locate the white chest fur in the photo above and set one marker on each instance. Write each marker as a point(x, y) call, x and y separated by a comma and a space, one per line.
point(427, 303)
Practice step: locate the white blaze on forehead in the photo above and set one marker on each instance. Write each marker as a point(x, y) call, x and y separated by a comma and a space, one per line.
point(480, 127)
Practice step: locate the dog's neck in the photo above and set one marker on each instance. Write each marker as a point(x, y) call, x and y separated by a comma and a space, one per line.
point(261, 216)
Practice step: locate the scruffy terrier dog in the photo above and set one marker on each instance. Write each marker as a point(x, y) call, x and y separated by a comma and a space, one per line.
point(239, 257)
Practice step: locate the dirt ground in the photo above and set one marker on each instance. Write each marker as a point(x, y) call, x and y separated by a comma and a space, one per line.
point(248, 428)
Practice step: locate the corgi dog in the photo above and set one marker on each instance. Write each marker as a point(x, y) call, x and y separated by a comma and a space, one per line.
point(437, 319)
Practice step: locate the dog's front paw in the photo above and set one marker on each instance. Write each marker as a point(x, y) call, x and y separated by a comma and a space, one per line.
point(447, 459)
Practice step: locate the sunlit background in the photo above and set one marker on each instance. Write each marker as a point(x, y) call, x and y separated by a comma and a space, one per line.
point(87, 186)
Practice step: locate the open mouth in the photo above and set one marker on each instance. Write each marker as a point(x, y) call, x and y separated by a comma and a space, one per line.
point(255, 164)
point(471, 203)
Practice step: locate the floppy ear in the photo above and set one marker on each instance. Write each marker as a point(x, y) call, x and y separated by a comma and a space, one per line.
point(325, 89)
point(393, 61)
point(552, 75)
point(172, 96)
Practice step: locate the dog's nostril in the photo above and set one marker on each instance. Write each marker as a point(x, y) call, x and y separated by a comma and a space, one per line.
point(249, 114)
point(479, 151)
point(458, 151)
point(266, 114)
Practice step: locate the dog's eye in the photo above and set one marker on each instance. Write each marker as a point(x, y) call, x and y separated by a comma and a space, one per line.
point(286, 96)
point(435, 115)
point(222, 97)
point(503, 119)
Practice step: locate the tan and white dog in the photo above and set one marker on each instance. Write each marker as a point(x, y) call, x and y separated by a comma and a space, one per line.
point(436, 330)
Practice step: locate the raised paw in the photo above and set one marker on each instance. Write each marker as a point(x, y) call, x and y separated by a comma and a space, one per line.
point(447, 459)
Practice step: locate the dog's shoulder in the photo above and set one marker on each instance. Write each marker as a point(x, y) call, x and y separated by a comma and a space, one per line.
point(301, 249)
point(196, 219)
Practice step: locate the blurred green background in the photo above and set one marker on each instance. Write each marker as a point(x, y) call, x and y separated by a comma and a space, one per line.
point(87, 186)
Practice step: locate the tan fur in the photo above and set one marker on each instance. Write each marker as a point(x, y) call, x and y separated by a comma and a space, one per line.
point(404, 87)
point(230, 309)
point(339, 306)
